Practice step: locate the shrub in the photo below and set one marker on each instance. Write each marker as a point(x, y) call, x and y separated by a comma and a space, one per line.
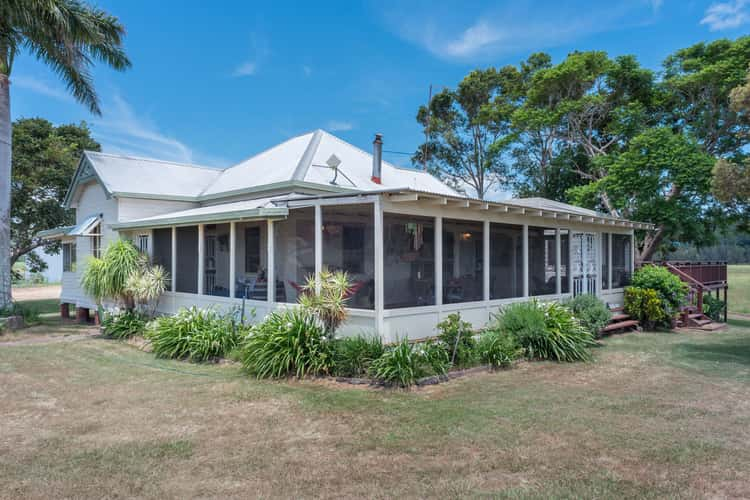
point(522, 320)
point(713, 307)
point(590, 311)
point(646, 305)
point(328, 303)
point(457, 338)
point(670, 289)
point(194, 334)
point(29, 313)
point(146, 285)
point(352, 356)
point(107, 277)
point(123, 324)
point(548, 331)
point(498, 349)
point(289, 342)
point(404, 363)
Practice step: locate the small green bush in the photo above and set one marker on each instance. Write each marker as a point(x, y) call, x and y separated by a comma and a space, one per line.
point(671, 290)
point(590, 311)
point(30, 314)
point(288, 342)
point(123, 324)
point(546, 331)
point(325, 296)
point(522, 320)
point(713, 307)
point(498, 349)
point(646, 305)
point(194, 334)
point(404, 363)
point(352, 356)
point(457, 338)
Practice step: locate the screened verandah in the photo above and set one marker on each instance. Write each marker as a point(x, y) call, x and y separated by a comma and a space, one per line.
point(435, 256)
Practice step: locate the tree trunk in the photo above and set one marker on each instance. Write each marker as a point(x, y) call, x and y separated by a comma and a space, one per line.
point(5, 166)
point(651, 243)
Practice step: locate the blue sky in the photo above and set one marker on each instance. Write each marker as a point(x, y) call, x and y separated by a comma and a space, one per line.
point(213, 83)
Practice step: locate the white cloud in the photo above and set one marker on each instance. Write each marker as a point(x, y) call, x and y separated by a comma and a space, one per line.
point(339, 126)
point(245, 69)
point(727, 15)
point(459, 33)
point(259, 51)
point(122, 131)
point(38, 86)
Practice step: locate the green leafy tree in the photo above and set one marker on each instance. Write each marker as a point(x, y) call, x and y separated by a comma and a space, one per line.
point(44, 160)
point(662, 177)
point(67, 35)
point(469, 129)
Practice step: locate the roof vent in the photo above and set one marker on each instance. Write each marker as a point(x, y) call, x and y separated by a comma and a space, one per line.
point(377, 158)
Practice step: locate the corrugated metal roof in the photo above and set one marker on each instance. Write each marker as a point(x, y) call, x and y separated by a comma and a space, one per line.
point(86, 226)
point(246, 209)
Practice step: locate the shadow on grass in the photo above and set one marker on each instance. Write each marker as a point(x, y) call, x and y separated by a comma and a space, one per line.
point(735, 350)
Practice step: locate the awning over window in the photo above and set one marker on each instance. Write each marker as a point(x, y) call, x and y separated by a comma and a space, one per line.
point(86, 227)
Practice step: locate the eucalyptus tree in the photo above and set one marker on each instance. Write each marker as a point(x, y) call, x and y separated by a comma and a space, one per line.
point(469, 130)
point(68, 36)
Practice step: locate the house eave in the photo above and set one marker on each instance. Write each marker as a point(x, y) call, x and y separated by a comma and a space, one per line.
point(236, 215)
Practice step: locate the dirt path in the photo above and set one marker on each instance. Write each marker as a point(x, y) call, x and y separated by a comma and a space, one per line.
point(36, 292)
point(47, 339)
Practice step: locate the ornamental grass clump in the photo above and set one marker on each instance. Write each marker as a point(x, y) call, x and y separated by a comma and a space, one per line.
point(194, 334)
point(498, 349)
point(122, 324)
point(352, 356)
point(291, 342)
point(546, 331)
point(405, 363)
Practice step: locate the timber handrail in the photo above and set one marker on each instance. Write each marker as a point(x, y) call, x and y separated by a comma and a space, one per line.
point(685, 276)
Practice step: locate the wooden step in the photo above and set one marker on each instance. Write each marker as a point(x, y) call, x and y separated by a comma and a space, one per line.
point(617, 318)
point(696, 316)
point(622, 325)
point(617, 309)
point(701, 322)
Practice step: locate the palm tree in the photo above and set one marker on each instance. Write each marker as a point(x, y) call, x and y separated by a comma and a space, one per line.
point(68, 35)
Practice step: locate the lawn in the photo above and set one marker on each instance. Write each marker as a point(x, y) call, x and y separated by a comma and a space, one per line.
point(657, 414)
point(739, 288)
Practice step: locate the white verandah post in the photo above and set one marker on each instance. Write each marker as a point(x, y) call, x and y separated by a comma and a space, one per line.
point(232, 257)
point(318, 245)
point(173, 271)
point(609, 261)
point(486, 260)
point(379, 257)
point(201, 257)
point(271, 273)
point(558, 264)
point(438, 260)
point(525, 256)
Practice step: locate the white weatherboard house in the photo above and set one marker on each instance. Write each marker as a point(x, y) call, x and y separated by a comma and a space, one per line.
point(415, 249)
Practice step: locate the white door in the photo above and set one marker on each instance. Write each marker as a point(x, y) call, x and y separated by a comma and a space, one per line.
point(584, 263)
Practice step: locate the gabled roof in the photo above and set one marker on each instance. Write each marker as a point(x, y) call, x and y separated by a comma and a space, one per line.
point(299, 162)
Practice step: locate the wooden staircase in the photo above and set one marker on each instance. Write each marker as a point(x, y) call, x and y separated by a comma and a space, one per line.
point(701, 278)
point(620, 322)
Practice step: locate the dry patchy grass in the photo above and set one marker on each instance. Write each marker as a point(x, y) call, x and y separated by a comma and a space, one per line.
point(656, 415)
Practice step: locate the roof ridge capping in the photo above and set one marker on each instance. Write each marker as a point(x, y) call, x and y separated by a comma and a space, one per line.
point(88, 152)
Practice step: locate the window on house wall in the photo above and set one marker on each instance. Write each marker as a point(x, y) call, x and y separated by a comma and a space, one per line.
point(565, 261)
point(162, 252)
point(409, 261)
point(622, 260)
point(605, 261)
point(69, 257)
point(294, 246)
point(506, 261)
point(542, 267)
point(251, 261)
point(142, 242)
point(216, 260)
point(463, 279)
point(187, 259)
point(349, 245)
point(96, 241)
